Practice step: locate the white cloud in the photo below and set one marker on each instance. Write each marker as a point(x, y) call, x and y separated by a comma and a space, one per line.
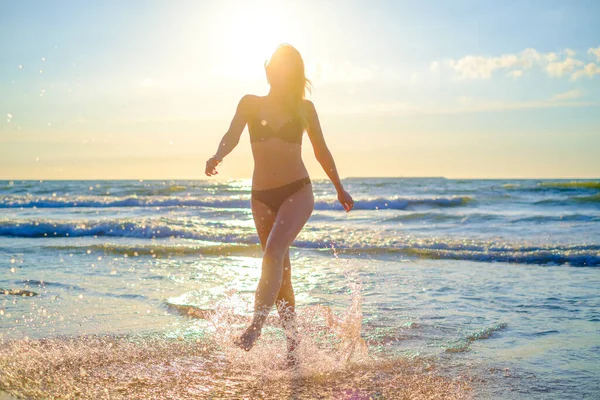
point(555, 64)
point(530, 57)
point(590, 70)
point(480, 67)
point(596, 52)
point(561, 68)
point(571, 94)
point(550, 57)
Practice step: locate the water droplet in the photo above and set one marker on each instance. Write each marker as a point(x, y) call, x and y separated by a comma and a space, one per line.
point(13, 270)
point(9, 115)
point(20, 66)
point(43, 58)
point(81, 296)
point(37, 159)
point(41, 71)
point(263, 122)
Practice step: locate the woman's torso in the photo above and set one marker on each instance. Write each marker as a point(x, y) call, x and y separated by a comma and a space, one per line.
point(276, 140)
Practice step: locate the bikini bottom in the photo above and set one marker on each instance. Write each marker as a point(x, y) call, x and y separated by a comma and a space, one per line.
point(274, 197)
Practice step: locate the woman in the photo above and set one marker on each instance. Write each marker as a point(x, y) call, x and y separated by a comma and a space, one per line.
point(282, 198)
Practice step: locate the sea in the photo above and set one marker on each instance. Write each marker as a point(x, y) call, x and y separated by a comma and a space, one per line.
point(430, 288)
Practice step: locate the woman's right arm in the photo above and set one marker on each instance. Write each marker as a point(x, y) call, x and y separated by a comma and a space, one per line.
point(231, 137)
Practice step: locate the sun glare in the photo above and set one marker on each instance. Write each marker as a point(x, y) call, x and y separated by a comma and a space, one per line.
point(249, 36)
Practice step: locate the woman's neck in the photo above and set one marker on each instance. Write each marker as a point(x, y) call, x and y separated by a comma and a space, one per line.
point(278, 95)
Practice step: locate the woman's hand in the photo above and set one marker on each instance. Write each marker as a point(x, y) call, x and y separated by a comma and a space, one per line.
point(211, 166)
point(346, 200)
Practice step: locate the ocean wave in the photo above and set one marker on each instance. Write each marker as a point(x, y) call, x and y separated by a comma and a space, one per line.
point(423, 216)
point(442, 217)
point(113, 228)
point(245, 242)
point(464, 344)
point(572, 185)
point(511, 185)
point(43, 284)
point(111, 201)
point(595, 198)
point(164, 250)
point(394, 203)
point(399, 203)
point(571, 200)
point(557, 255)
point(557, 218)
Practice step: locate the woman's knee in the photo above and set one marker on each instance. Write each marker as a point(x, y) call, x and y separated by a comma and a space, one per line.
point(275, 251)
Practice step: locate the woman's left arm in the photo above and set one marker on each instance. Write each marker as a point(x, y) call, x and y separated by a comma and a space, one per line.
point(323, 155)
point(231, 137)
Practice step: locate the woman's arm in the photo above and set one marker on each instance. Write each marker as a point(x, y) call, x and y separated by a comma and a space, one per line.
point(231, 137)
point(323, 155)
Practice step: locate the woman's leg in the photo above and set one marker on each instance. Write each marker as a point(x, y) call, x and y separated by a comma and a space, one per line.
point(286, 304)
point(290, 219)
point(264, 218)
point(286, 301)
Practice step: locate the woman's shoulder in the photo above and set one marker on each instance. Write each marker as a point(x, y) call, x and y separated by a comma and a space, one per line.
point(309, 107)
point(249, 103)
point(308, 104)
point(250, 99)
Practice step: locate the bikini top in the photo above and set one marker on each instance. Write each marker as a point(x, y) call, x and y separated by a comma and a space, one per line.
point(261, 130)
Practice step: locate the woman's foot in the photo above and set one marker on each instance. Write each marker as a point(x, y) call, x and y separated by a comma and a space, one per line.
point(247, 339)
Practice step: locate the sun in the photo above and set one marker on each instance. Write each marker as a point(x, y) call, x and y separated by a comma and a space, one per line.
point(248, 36)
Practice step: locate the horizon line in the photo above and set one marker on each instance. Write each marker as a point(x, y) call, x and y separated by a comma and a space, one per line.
point(323, 178)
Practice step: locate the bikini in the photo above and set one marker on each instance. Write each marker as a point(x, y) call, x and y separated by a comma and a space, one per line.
point(291, 131)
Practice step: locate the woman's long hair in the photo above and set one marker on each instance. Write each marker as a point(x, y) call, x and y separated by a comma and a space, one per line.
point(287, 60)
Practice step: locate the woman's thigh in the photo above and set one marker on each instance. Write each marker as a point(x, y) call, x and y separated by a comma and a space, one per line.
point(264, 218)
point(290, 219)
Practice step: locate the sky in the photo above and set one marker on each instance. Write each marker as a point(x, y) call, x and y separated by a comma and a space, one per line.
point(146, 89)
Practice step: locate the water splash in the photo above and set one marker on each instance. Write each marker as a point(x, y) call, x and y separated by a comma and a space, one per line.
point(202, 362)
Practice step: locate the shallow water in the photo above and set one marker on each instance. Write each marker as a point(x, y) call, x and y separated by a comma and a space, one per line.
point(430, 288)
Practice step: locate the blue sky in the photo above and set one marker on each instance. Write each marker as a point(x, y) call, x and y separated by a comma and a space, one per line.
point(145, 89)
